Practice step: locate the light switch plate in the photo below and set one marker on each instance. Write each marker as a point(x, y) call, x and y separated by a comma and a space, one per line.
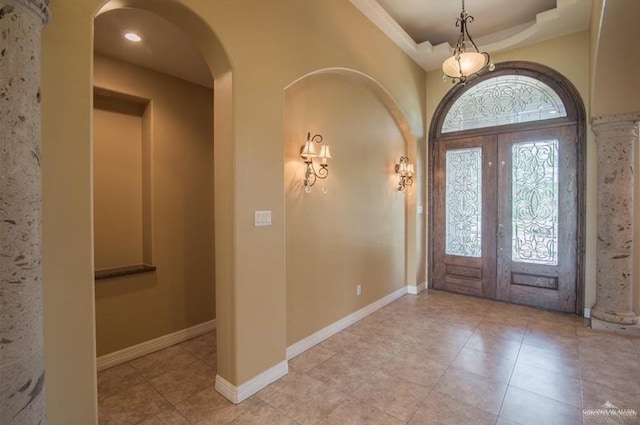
point(420, 209)
point(262, 218)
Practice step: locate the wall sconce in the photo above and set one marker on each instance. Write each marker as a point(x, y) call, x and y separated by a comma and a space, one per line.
point(307, 153)
point(405, 173)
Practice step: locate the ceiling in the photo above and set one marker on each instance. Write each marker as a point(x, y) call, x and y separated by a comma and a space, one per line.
point(424, 29)
point(164, 47)
point(434, 20)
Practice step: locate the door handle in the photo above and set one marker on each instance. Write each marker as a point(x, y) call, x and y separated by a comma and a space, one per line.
point(500, 229)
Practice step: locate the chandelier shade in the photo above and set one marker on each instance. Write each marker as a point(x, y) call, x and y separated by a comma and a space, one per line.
point(465, 64)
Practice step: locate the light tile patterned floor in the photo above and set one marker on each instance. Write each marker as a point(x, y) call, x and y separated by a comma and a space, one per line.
point(436, 358)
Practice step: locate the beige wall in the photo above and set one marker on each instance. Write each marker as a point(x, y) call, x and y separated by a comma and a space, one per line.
point(553, 53)
point(270, 45)
point(117, 185)
point(350, 229)
point(615, 58)
point(180, 293)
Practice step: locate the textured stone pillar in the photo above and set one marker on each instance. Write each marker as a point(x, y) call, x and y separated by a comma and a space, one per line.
point(21, 347)
point(616, 137)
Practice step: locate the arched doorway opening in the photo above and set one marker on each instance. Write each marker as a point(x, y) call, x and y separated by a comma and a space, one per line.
point(180, 168)
point(507, 188)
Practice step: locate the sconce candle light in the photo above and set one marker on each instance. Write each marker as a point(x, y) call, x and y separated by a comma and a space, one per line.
point(405, 173)
point(308, 153)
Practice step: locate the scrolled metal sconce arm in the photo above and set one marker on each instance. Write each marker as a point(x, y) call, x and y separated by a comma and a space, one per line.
point(307, 153)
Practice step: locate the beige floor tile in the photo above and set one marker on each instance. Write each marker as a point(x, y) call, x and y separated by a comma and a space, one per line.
point(183, 382)
point(397, 397)
point(619, 342)
point(615, 373)
point(372, 352)
point(161, 362)
point(117, 379)
point(527, 408)
point(304, 387)
point(346, 373)
point(418, 369)
point(310, 358)
point(555, 329)
point(210, 408)
point(451, 333)
point(203, 347)
point(476, 390)
point(260, 413)
point(441, 352)
point(355, 412)
point(504, 330)
point(559, 387)
point(280, 384)
point(166, 417)
point(484, 364)
point(306, 400)
point(604, 420)
point(465, 322)
point(607, 354)
point(380, 370)
point(502, 347)
point(596, 396)
point(131, 406)
point(503, 421)
point(512, 314)
point(441, 409)
point(555, 318)
point(366, 326)
point(340, 341)
point(550, 360)
point(310, 412)
point(563, 345)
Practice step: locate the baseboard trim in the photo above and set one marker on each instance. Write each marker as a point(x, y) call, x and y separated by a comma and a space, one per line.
point(586, 313)
point(415, 290)
point(238, 394)
point(151, 346)
point(316, 338)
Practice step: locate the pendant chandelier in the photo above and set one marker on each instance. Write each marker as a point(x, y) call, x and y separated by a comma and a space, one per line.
point(465, 63)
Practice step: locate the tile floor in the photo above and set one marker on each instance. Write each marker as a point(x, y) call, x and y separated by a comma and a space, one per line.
point(436, 358)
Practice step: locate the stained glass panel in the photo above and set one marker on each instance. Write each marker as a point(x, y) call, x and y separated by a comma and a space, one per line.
point(464, 202)
point(534, 191)
point(505, 99)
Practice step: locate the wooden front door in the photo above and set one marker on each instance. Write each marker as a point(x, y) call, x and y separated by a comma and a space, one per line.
point(505, 216)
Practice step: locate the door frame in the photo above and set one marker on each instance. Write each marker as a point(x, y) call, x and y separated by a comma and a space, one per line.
point(575, 116)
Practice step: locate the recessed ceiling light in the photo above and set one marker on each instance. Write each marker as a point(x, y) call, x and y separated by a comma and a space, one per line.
point(132, 37)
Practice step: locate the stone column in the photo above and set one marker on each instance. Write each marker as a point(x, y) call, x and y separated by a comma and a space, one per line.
point(616, 137)
point(21, 346)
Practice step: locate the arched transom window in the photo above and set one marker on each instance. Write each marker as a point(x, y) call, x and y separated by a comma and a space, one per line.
point(501, 100)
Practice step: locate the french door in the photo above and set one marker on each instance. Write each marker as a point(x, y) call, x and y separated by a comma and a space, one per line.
point(505, 216)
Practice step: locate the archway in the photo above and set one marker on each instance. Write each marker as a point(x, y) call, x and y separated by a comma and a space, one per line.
point(213, 53)
point(152, 187)
point(358, 203)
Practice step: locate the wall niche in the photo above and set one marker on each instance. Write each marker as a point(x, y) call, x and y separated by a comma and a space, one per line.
point(121, 184)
